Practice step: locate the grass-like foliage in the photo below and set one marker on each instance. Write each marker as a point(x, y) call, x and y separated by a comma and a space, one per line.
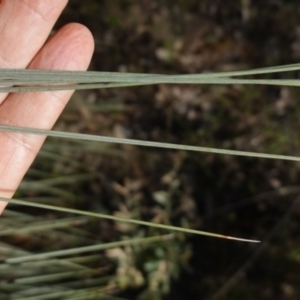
point(55, 274)
point(13, 80)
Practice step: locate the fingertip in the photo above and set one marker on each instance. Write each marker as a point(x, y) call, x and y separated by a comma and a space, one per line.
point(82, 41)
point(70, 48)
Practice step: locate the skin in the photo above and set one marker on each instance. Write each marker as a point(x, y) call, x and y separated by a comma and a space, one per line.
point(25, 26)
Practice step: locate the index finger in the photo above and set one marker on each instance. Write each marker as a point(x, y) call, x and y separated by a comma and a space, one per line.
point(24, 27)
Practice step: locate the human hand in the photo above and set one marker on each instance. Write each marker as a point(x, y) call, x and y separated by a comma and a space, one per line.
point(24, 28)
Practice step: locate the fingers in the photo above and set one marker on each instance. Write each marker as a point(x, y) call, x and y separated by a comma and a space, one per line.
point(70, 48)
point(24, 27)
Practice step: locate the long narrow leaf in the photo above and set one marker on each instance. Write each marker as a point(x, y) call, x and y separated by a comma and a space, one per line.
point(97, 138)
point(47, 87)
point(125, 220)
point(8, 75)
point(17, 80)
point(92, 248)
point(43, 226)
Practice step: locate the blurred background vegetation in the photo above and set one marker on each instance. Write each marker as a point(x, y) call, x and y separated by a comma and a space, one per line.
point(246, 197)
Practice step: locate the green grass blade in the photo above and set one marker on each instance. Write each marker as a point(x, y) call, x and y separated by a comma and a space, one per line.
point(125, 220)
point(17, 80)
point(216, 81)
point(96, 138)
point(43, 226)
point(8, 76)
point(53, 277)
point(92, 248)
point(61, 180)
